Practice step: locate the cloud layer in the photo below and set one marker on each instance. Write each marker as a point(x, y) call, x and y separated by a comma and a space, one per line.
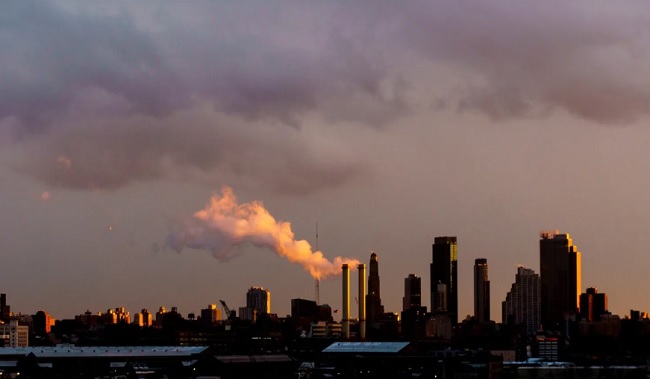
point(124, 92)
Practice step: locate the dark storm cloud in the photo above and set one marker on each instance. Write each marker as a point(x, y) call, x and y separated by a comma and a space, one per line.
point(109, 94)
point(51, 55)
point(115, 94)
point(227, 56)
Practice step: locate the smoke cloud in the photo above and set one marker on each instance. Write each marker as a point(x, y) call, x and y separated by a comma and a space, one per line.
point(224, 225)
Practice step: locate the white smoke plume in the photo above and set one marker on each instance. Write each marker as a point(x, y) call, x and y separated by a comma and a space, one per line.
point(223, 225)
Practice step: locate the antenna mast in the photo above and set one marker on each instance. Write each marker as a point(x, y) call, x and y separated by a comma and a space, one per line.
point(317, 281)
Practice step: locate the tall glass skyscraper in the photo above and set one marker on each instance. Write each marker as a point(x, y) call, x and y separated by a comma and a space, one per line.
point(444, 270)
point(561, 279)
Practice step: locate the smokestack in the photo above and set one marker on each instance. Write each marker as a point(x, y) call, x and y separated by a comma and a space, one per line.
point(345, 321)
point(362, 300)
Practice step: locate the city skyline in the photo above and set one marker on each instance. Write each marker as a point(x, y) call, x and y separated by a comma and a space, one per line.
point(521, 299)
point(384, 124)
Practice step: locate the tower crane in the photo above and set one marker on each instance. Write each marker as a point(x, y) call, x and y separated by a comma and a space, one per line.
point(226, 309)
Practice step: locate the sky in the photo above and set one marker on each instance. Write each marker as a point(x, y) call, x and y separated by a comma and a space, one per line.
point(168, 154)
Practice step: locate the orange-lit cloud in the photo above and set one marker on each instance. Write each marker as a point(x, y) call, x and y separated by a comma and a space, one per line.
point(225, 224)
point(45, 196)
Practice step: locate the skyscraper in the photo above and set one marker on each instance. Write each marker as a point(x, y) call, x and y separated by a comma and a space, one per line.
point(481, 291)
point(374, 309)
point(412, 292)
point(560, 273)
point(259, 299)
point(592, 305)
point(522, 304)
point(444, 270)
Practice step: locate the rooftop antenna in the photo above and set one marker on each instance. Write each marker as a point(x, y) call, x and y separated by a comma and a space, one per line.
point(317, 281)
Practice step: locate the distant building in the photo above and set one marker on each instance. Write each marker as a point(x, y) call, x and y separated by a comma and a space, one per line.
point(143, 318)
point(481, 291)
point(117, 315)
point(247, 313)
point(592, 305)
point(444, 269)
point(561, 278)
point(439, 326)
point(147, 318)
point(42, 322)
point(412, 292)
point(14, 335)
point(414, 323)
point(138, 319)
point(546, 348)
point(210, 315)
point(308, 309)
point(259, 299)
point(322, 329)
point(636, 315)
point(89, 320)
point(522, 303)
point(160, 316)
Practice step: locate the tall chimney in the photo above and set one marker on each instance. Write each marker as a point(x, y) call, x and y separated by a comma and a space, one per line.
point(362, 300)
point(345, 321)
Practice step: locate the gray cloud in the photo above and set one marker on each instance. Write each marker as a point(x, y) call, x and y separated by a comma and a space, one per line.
point(526, 59)
point(232, 58)
point(120, 91)
point(198, 144)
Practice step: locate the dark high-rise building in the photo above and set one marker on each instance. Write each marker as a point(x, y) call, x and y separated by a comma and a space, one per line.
point(412, 292)
point(374, 309)
point(444, 270)
point(5, 310)
point(560, 273)
point(592, 305)
point(481, 291)
point(522, 304)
